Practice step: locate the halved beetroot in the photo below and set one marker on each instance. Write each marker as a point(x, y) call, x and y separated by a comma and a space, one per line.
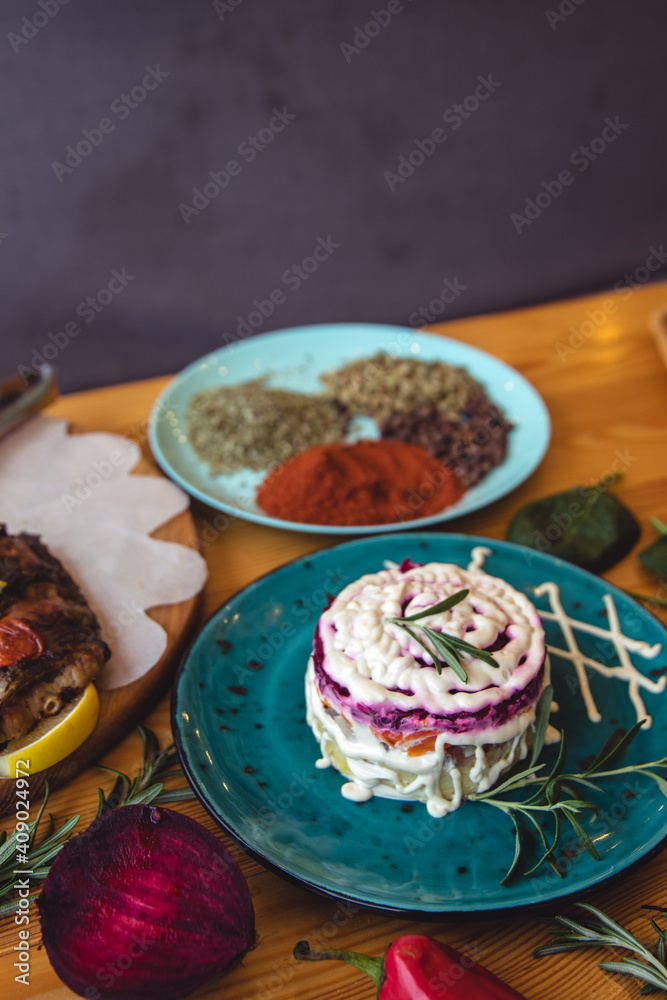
point(145, 904)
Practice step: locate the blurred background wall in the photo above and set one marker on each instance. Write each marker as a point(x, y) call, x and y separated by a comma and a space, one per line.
point(168, 165)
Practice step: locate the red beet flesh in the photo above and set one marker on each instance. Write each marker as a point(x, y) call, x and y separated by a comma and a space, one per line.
point(145, 904)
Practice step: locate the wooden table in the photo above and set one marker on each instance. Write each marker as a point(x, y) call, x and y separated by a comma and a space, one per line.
point(605, 387)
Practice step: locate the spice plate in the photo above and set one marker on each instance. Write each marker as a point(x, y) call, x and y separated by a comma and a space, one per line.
point(295, 359)
point(239, 723)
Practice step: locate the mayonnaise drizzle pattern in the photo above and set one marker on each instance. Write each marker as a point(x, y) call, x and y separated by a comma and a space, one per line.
point(623, 645)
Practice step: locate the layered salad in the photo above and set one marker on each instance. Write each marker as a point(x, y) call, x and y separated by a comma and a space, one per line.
point(389, 709)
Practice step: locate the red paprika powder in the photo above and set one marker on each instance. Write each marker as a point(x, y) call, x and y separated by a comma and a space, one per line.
point(369, 482)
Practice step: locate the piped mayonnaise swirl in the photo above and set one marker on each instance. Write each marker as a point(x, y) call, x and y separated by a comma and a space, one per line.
point(378, 663)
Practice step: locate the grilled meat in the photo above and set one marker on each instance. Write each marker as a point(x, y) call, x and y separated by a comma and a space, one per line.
point(50, 641)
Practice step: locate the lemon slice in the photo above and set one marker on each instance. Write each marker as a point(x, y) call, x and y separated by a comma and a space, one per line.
point(53, 738)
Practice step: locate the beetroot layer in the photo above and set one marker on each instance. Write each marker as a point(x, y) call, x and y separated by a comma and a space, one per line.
point(395, 719)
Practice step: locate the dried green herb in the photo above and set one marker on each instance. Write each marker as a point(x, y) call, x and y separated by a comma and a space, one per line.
point(600, 931)
point(586, 525)
point(655, 556)
point(445, 650)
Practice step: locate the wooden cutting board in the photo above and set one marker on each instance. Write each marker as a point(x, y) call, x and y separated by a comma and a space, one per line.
point(122, 708)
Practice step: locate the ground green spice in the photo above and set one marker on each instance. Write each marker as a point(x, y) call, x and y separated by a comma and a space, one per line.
point(250, 426)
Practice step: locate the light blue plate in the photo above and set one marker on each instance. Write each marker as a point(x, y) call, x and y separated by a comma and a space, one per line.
point(295, 359)
point(238, 721)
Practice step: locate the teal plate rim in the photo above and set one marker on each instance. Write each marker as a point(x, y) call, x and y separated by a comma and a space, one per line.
point(546, 900)
point(521, 462)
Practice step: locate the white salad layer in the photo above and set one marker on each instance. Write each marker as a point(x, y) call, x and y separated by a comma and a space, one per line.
point(375, 768)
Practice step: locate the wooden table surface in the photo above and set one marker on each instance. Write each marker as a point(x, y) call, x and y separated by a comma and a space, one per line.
point(595, 363)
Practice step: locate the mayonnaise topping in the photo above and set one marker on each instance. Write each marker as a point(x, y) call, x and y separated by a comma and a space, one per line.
point(379, 663)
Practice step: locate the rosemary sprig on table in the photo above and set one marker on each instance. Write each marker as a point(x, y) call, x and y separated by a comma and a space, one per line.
point(559, 795)
point(148, 786)
point(445, 650)
point(39, 857)
point(647, 599)
point(600, 931)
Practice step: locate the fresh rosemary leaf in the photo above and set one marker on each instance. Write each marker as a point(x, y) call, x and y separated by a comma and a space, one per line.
point(510, 784)
point(565, 945)
point(660, 782)
point(39, 856)
point(660, 950)
point(8, 849)
point(48, 842)
point(174, 795)
point(518, 849)
point(640, 970)
point(437, 609)
point(147, 795)
point(602, 931)
point(446, 653)
point(610, 925)
point(445, 649)
point(647, 599)
point(549, 856)
point(436, 662)
point(549, 848)
point(551, 790)
point(583, 836)
point(9, 908)
point(466, 647)
point(542, 713)
point(617, 743)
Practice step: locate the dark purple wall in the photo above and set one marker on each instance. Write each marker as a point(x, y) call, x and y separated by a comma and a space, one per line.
point(330, 173)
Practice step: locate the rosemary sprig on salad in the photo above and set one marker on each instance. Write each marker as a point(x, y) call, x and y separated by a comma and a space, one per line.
point(445, 650)
point(148, 786)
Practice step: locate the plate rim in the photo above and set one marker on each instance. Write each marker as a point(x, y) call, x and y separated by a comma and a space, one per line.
point(448, 514)
point(374, 907)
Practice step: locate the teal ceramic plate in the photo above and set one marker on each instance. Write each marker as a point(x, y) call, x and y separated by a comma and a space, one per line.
point(295, 359)
point(238, 720)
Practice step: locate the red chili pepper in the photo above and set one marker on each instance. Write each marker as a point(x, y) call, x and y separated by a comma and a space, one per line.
point(416, 967)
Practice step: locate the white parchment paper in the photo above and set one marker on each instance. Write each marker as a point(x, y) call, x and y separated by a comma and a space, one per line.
point(76, 492)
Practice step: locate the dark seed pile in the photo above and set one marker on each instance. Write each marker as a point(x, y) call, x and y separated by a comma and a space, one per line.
point(471, 445)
